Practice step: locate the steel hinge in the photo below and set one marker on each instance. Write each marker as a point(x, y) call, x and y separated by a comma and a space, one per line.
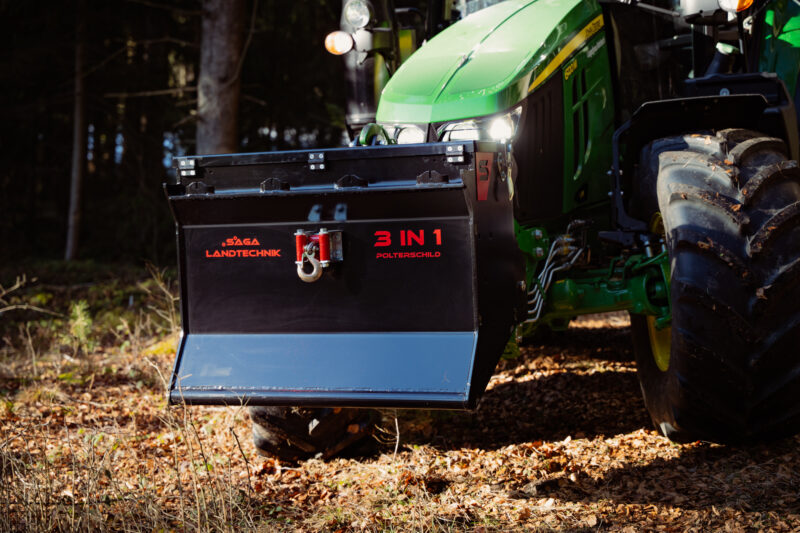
point(316, 161)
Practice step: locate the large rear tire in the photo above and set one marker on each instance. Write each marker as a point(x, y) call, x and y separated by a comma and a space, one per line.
point(730, 205)
point(294, 433)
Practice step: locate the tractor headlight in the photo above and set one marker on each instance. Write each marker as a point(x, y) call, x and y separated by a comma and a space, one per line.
point(339, 42)
point(500, 128)
point(357, 13)
point(406, 133)
point(732, 6)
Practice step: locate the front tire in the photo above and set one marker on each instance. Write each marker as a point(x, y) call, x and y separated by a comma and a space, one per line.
point(294, 433)
point(730, 205)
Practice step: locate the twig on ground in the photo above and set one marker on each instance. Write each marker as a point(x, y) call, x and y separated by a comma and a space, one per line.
point(397, 433)
point(246, 461)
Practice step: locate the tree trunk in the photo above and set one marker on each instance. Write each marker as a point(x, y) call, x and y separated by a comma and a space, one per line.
point(78, 137)
point(218, 87)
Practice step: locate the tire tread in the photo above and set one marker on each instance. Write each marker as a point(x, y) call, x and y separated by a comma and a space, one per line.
point(731, 209)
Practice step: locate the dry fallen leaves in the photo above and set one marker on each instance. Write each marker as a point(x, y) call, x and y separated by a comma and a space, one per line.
point(560, 441)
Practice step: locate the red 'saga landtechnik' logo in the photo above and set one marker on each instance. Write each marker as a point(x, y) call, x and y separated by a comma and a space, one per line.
point(248, 247)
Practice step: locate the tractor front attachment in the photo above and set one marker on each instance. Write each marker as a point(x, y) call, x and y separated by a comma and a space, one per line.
point(383, 276)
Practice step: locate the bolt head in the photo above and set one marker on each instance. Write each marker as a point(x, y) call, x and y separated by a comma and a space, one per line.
point(538, 252)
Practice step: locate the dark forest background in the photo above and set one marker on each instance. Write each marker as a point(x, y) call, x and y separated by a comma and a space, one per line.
point(140, 74)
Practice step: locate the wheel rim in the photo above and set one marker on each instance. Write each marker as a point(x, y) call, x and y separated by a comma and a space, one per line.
point(660, 343)
point(660, 339)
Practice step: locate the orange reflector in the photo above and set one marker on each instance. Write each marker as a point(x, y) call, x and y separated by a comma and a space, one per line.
point(339, 42)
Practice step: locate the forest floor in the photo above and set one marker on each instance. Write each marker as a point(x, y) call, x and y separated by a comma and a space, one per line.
point(560, 441)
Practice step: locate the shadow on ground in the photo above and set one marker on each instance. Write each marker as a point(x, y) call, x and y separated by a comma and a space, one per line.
point(595, 393)
point(581, 398)
point(763, 478)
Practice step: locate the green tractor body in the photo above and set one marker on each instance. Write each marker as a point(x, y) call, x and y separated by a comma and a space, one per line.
point(581, 157)
point(491, 61)
point(547, 65)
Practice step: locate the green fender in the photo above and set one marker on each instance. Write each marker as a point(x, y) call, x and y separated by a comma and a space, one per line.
point(780, 47)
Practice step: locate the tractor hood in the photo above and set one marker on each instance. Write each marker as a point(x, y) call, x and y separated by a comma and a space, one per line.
point(484, 63)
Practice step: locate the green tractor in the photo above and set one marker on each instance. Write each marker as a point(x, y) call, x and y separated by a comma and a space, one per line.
point(532, 162)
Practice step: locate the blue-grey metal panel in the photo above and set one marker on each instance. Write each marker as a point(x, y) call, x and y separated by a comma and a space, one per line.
point(391, 368)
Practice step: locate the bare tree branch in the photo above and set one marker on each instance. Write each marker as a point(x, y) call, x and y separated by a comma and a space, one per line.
point(259, 101)
point(166, 7)
point(113, 55)
point(19, 282)
point(156, 92)
point(5, 306)
point(128, 45)
point(184, 120)
point(26, 307)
